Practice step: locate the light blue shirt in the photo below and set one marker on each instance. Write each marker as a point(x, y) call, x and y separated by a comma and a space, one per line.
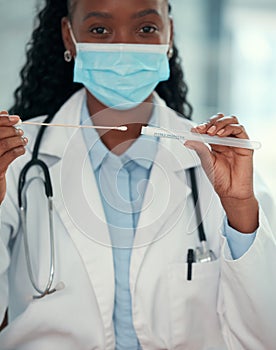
point(238, 242)
point(122, 182)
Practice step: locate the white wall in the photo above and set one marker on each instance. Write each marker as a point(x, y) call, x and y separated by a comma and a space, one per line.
point(16, 23)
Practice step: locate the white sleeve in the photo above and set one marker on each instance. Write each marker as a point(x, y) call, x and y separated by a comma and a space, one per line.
point(4, 263)
point(9, 223)
point(247, 303)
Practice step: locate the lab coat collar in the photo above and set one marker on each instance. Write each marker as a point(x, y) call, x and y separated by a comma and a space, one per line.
point(56, 139)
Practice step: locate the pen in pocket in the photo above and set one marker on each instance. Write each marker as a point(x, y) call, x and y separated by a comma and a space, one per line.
point(190, 260)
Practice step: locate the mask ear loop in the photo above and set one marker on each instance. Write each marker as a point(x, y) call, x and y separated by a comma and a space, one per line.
point(72, 34)
point(171, 50)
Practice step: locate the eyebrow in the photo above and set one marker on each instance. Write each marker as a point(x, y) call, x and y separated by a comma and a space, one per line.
point(97, 14)
point(140, 14)
point(146, 12)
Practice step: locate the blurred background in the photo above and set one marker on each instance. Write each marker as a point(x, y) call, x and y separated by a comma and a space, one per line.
point(228, 48)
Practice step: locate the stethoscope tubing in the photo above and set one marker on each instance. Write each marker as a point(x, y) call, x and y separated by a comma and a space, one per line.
point(23, 216)
point(22, 202)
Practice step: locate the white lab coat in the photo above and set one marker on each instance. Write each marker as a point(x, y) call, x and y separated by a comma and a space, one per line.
point(227, 305)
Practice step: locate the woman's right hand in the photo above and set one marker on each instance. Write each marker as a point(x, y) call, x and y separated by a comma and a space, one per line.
point(12, 145)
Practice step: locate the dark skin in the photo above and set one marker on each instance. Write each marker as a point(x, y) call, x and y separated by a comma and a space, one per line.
point(230, 170)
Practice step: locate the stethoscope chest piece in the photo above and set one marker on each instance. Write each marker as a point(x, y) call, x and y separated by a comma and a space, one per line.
point(203, 253)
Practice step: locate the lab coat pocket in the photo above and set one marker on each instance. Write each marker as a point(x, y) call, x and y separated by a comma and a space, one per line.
point(193, 305)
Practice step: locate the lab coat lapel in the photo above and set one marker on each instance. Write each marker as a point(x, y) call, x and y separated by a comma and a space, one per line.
point(84, 218)
point(78, 203)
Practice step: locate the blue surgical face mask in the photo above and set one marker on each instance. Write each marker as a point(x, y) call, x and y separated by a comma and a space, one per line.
point(120, 76)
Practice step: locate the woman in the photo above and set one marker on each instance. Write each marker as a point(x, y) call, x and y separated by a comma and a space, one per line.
point(123, 209)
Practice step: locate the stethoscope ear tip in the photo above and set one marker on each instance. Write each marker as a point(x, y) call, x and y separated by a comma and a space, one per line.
point(59, 286)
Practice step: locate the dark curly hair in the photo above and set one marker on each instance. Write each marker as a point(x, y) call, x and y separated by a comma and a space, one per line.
point(47, 80)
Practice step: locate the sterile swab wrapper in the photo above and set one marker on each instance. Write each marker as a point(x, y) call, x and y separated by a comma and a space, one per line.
point(120, 128)
point(192, 136)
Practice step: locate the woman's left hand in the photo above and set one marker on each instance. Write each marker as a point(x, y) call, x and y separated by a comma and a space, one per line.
point(230, 170)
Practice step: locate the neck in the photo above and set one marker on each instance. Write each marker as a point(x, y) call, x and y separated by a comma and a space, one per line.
point(119, 141)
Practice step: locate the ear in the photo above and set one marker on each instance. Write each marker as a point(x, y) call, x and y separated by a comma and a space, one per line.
point(170, 39)
point(171, 32)
point(66, 36)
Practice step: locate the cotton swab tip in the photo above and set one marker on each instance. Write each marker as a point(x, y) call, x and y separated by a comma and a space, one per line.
point(122, 128)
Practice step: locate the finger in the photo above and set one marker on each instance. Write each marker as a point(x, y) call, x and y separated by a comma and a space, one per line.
point(201, 128)
point(9, 157)
point(6, 131)
point(8, 120)
point(8, 144)
point(4, 112)
point(215, 124)
point(215, 117)
point(235, 130)
point(221, 124)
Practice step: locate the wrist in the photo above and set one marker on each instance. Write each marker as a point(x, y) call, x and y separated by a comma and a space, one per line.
point(242, 214)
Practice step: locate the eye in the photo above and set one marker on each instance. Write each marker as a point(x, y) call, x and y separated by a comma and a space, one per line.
point(148, 29)
point(99, 30)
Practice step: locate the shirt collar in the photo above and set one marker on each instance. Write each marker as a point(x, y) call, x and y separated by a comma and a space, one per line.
point(144, 148)
point(142, 151)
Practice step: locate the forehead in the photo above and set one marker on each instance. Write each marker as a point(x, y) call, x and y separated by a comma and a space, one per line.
point(117, 5)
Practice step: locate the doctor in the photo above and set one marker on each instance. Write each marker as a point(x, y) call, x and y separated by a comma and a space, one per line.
point(123, 209)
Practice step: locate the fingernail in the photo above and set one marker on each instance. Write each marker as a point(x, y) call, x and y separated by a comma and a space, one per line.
point(186, 144)
point(212, 129)
point(25, 140)
point(201, 126)
point(13, 118)
point(19, 131)
point(220, 132)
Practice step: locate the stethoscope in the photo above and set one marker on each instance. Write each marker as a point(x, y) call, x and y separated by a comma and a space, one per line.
point(202, 252)
point(22, 201)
